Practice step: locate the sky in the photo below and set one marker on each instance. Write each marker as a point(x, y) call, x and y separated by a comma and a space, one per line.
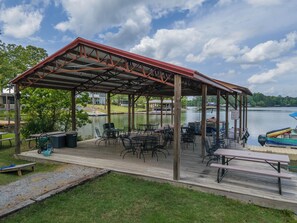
point(251, 43)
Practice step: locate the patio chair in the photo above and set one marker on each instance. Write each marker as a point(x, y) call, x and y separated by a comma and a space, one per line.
point(163, 147)
point(149, 146)
point(125, 132)
point(221, 141)
point(169, 133)
point(128, 146)
point(188, 136)
point(210, 149)
point(99, 137)
point(110, 131)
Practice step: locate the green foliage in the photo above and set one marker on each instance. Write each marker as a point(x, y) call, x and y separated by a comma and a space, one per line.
point(260, 100)
point(46, 110)
point(15, 59)
point(256, 100)
point(119, 198)
point(50, 110)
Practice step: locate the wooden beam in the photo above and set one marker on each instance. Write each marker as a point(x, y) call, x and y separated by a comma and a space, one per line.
point(108, 108)
point(17, 118)
point(240, 116)
point(218, 107)
point(147, 110)
point(227, 116)
point(235, 120)
point(133, 112)
point(203, 119)
point(172, 107)
point(246, 115)
point(129, 113)
point(161, 112)
point(243, 116)
point(73, 110)
point(243, 112)
point(177, 127)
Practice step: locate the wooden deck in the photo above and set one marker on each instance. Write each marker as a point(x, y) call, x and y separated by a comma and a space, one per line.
point(246, 187)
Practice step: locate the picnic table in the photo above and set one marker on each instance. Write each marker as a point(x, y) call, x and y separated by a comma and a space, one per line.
point(273, 160)
point(35, 137)
point(45, 133)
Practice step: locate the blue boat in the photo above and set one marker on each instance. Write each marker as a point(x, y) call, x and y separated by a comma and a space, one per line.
point(286, 137)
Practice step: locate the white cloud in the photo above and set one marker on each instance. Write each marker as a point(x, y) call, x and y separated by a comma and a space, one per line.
point(135, 26)
point(225, 48)
point(282, 69)
point(264, 2)
point(230, 74)
point(20, 21)
point(270, 49)
point(119, 23)
point(222, 33)
point(168, 44)
point(230, 51)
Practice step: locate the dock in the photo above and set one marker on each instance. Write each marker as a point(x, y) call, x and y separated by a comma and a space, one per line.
point(5, 124)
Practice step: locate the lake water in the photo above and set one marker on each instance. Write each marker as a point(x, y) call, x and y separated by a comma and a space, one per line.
point(260, 120)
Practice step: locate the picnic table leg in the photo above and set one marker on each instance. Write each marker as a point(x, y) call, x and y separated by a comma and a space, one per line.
point(221, 171)
point(279, 179)
point(224, 163)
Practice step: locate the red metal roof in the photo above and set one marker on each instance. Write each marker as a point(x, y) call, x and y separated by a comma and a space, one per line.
point(84, 65)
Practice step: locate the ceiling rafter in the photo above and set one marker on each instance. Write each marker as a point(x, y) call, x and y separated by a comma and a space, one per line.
point(51, 71)
point(118, 65)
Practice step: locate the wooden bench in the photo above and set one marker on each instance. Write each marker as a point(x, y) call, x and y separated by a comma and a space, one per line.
point(29, 140)
point(7, 139)
point(18, 168)
point(271, 173)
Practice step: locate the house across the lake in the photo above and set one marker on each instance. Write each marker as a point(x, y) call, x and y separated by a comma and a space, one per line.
point(6, 101)
point(155, 106)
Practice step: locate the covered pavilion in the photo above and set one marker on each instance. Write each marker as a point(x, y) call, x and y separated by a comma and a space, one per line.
point(84, 65)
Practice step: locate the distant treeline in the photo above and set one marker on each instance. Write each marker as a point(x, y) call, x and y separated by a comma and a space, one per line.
point(256, 100)
point(260, 100)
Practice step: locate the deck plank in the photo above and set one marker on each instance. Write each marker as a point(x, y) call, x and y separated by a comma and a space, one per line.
point(249, 187)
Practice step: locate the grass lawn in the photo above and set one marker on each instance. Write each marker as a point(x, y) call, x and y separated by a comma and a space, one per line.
point(120, 198)
point(113, 108)
point(7, 158)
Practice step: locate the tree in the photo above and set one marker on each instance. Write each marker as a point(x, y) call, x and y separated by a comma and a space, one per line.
point(45, 109)
point(15, 59)
point(50, 110)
